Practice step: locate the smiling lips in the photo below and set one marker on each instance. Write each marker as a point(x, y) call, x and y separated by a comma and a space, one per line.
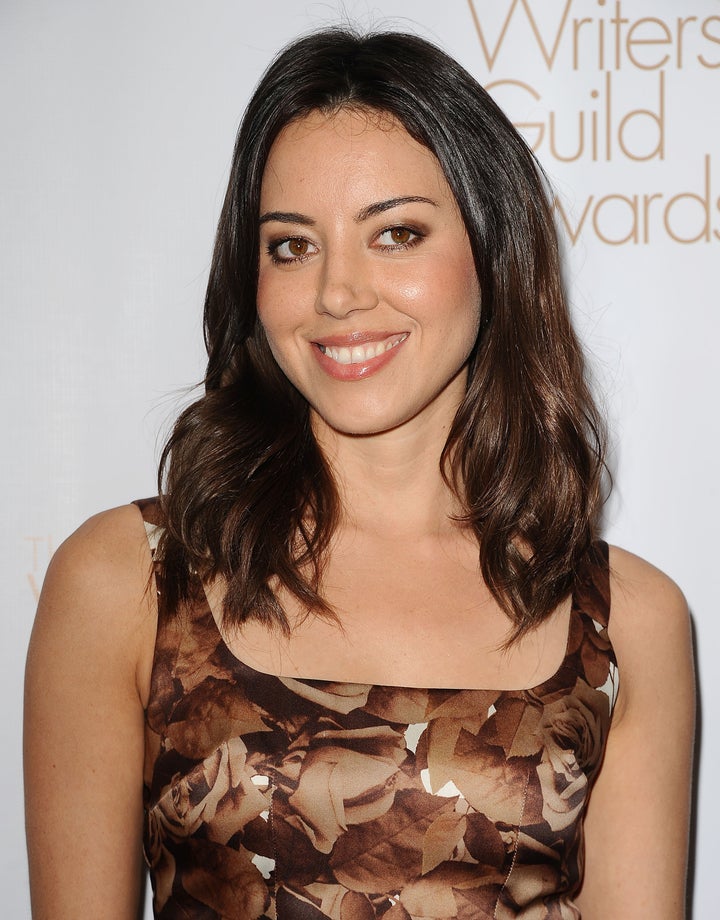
point(358, 355)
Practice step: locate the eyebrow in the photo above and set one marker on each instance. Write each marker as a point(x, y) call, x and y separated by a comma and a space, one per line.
point(378, 207)
point(287, 217)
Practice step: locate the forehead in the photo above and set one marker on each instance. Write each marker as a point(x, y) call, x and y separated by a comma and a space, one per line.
point(351, 150)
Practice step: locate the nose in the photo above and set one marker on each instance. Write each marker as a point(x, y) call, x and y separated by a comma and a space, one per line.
point(345, 285)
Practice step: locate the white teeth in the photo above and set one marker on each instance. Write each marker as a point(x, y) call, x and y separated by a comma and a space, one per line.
point(359, 353)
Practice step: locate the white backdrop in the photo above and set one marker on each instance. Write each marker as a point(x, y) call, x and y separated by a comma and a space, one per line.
point(117, 129)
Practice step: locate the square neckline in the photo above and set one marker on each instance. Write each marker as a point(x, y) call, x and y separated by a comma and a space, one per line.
point(206, 611)
point(202, 609)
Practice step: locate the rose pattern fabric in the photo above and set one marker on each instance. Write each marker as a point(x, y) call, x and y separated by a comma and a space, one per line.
point(282, 799)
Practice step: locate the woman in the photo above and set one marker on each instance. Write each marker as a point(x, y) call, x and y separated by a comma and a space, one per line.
point(389, 491)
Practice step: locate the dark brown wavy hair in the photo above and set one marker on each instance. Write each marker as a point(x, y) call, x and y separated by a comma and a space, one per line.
point(246, 491)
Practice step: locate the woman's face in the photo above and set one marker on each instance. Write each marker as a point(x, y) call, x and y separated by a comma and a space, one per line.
point(367, 288)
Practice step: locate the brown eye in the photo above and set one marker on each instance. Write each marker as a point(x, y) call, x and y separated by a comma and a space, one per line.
point(398, 238)
point(297, 246)
point(292, 249)
point(400, 235)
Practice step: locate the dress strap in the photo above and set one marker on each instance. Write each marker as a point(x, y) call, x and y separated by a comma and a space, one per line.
point(154, 525)
point(592, 584)
point(151, 511)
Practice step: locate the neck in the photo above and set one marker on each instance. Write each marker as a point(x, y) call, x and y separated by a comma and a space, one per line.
point(390, 483)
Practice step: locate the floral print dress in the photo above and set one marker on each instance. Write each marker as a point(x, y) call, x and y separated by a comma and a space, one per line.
point(270, 797)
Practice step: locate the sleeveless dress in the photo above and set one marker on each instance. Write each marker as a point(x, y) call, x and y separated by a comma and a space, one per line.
point(270, 797)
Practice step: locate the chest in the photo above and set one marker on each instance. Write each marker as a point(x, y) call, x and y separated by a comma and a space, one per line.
point(410, 613)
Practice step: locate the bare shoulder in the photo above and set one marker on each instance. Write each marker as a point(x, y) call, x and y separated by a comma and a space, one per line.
point(643, 596)
point(108, 539)
point(649, 626)
point(98, 595)
point(86, 688)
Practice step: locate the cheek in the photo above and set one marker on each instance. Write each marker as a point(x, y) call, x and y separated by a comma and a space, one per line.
point(475, 298)
point(457, 287)
point(462, 278)
point(284, 301)
point(442, 282)
point(271, 320)
point(411, 290)
point(275, 312)
point(263, 300)
point(463, 316)
point(469, 288)
point(274, 309)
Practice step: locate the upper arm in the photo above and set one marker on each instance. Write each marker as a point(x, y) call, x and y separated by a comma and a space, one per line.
point(636, 828)
point(86, 675)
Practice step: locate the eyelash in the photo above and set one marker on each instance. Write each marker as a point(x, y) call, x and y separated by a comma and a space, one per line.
point(272, 250)
point(417, 237)
point(274, 246)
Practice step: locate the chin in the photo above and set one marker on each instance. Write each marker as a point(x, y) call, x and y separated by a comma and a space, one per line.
point(359, 424)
